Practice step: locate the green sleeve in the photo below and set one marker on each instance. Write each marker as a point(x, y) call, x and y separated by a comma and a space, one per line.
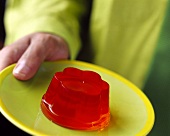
point(60, 17)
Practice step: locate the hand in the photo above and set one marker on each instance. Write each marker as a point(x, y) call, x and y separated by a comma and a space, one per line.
point(30, 51)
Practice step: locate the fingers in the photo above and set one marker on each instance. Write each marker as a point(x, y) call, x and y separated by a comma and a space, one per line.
point(42, 47)
point(30, 61)
point(10, 54)
point(7, 57)
point(30, 51)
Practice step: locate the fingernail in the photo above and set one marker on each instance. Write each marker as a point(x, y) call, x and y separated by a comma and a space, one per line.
point(21, 70)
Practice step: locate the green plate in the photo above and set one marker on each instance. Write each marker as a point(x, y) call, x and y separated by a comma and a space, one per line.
point(131, 111)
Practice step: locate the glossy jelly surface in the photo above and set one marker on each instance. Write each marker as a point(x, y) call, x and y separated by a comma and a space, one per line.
point(77, 99)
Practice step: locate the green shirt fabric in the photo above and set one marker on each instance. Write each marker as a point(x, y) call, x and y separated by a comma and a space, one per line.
point(122, 34)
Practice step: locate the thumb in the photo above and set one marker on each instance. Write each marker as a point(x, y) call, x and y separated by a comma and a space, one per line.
point(24, 71)
point(30, 62)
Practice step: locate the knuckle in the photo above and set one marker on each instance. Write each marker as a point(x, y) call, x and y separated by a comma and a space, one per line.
point(42, 37)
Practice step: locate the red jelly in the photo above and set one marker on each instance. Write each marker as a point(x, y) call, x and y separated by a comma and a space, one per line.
point(77, 99)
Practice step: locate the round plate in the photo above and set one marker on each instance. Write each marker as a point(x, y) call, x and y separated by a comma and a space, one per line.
point(131, 111)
